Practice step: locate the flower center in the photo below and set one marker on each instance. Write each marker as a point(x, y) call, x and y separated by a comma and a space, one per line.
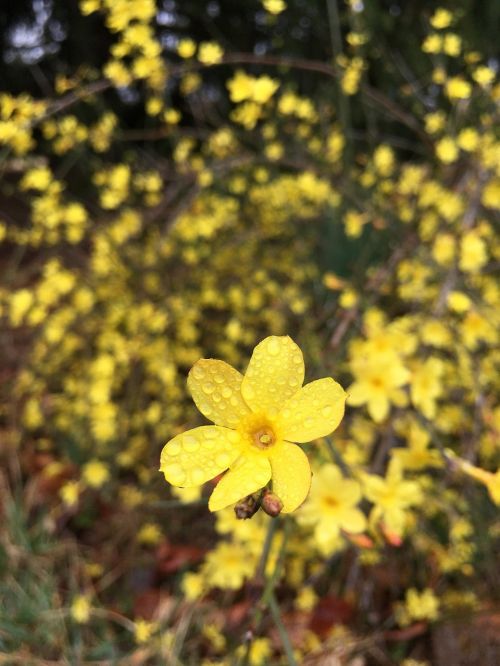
point(263, 437)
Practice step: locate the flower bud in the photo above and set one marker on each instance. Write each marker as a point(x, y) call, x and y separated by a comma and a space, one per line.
point(247, 507)
point(271, 504)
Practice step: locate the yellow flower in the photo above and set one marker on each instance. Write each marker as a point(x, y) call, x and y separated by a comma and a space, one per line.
point(432, 43)
point(378, 384)
point(468, 139)
point(446, 150)
point(210, 53)
point(458, 301)
point(391, 497)
point(228, 566)
point(260, 90)
point(259, 653)
point(257, 418)
point(150, 534)
point(331, 507)
point(95, 473)
point(426, 386)
point(143, 630)
point(422, 605)
point(306, 599)
point(70, 493)
point(458, 88)
point(193, 586)
point(80, 609)
point(186, 48)
point(491, 194)
point(483, 75)
point(417, 455)
point(490, 479)
point(473, 252)
point(274, 6)
point(441, 18)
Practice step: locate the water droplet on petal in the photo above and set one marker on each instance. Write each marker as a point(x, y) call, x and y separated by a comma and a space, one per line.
point(173, 449)
point(273, 347)
point(198, 372)
point(190, 443)
point(174, 473)
point(197, 475)
point(223, 459)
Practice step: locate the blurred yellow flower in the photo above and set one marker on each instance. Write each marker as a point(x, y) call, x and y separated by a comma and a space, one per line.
point(458, 301)
point(426, 385)
point(391, 496)
point(143, 630)
point(245, 87)
point(332, 507)
point(441, 18)
point(150, 534)
point(186, 48)
point(274, 6)
point(210, 53)
point(473, 252)
point(458, 88)
point(70, 493)
point(257, 418)
point(95, 473)
point(421, 605)
point(80, 609)
point(447, 150)
point(378, 383)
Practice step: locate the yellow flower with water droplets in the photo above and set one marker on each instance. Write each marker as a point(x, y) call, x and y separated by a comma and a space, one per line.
point(257, 418)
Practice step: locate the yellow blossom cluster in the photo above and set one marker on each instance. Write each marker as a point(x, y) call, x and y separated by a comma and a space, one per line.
point(339, 232)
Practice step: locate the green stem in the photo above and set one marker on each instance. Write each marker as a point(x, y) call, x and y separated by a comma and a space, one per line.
point(285, 638)
point(266, 548)
point(271, 581)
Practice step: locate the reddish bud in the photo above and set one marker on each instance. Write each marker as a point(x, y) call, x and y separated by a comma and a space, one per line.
point(271, 504)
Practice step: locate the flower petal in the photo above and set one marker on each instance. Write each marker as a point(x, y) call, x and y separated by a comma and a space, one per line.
point(353, 520)
point(291, 475)
point(248, 474)
point(274, 374)
point(198, 455)
point(315, 411)
point(216, 390)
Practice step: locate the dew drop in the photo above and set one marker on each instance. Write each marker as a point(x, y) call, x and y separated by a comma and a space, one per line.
point(190, 444)
point(223, 459)
point(208, 388)
point(198, 372)
point(173, 449)
point(197, 475)
point(175, 473)
point(273, 347)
